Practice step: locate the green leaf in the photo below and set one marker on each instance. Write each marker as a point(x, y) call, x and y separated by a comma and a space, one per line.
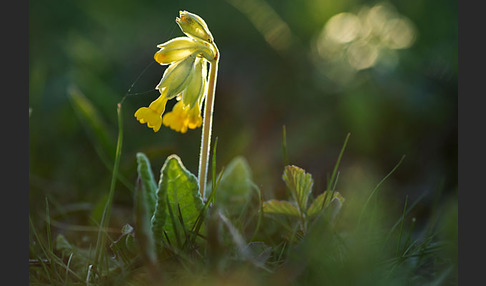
point(178, 190)
point(323, 201)
point(300, 184)
point(235, 187)
point(148, 181)
point(280, 207)
point(143, 231)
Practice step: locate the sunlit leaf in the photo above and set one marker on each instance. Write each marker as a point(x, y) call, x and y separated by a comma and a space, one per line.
point(300, 184)
point(178, 189)
point(323, 201)
point(280, 207)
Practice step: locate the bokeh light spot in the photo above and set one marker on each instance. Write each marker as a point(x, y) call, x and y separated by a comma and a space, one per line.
point(399, 33)
point(362, 55)
point(343, 27)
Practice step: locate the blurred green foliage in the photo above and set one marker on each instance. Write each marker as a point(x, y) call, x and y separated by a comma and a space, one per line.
point(269, 76)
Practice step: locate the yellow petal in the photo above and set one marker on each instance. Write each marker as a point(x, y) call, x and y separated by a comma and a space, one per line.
point(149, 116)
point(180, 118)
point(194, 119)
point(158, 105)
point(152, 115)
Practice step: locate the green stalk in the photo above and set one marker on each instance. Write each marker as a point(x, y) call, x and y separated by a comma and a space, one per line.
point(107, 210)
point(207, 123)
point(284, 146)
point(333, 176)
point(401, 227)
point(377, 187)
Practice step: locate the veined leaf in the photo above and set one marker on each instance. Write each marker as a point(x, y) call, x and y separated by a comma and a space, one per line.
point(235, 187)
point(280, 207)
point(148, 182)
point(323, 201)
point(178, 189)
point(300, 184)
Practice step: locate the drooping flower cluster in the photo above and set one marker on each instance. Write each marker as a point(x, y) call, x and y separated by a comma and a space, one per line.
point(185, 79)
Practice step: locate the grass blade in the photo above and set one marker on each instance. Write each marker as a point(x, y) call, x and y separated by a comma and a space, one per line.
point(260, 211)
point(43, 249)
point(48, 227)
point(377, 186)
point(284, 146)
point(334, 172)
point(101, 241)
point(399, 221)
point(96, 130)
point(401, 226)
point(213, 171)
point(66, 277)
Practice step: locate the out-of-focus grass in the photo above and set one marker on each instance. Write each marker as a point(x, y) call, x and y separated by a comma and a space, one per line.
point(366, 244)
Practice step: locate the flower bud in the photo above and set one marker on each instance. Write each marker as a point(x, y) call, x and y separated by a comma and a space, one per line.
point(194, 26)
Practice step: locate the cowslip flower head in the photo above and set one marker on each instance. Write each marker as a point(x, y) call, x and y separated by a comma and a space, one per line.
point(184, 79)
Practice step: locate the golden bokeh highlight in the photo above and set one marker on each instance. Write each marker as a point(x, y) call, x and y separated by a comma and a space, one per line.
point(343, 28)
point(362, 40)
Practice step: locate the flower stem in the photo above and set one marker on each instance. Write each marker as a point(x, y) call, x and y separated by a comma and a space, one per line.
point(207, 124)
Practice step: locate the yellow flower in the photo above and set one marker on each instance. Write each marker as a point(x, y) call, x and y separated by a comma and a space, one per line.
point(184, 79)
point(181, 118)
point(152, 115)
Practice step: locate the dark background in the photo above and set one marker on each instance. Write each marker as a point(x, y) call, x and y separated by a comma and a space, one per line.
point(271, 74)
